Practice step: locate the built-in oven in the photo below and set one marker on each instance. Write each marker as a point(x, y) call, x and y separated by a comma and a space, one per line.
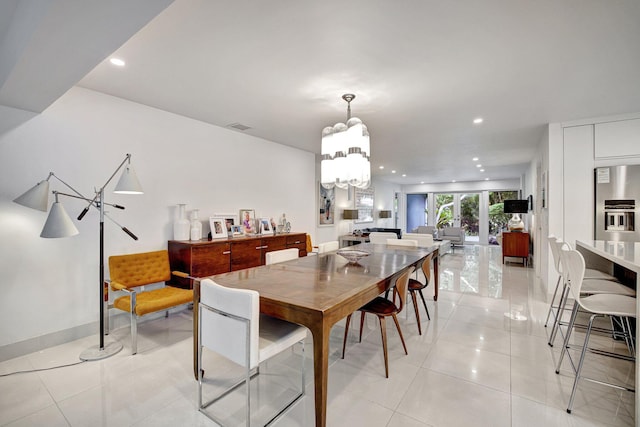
point(619, 215)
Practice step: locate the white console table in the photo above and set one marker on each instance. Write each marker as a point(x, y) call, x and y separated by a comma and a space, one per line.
point(620, 259)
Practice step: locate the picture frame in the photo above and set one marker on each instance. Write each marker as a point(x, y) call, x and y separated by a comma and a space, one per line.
point(265, 226)
point(230, 220)
point(326, 206)
point(247, 219)
point(364, 198)
point(236, 230)
point(544, 190)
point(218, 228)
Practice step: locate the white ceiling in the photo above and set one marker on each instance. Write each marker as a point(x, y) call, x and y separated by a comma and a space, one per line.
point(421, 71)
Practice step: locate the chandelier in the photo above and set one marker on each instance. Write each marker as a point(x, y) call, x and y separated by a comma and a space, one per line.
point(345, 153)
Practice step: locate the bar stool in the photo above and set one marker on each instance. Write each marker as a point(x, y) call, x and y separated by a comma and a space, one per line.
point(589, 273)
point(590, 286)
point(598, 305)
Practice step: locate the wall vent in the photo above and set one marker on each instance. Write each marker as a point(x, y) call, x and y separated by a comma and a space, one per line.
point(238, 126)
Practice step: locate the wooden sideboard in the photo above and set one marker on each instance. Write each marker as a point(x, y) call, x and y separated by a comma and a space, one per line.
point(515, 244)
point(208, 257)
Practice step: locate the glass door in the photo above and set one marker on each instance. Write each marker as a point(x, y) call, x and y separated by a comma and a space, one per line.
point(497, 218)
point(459, 210)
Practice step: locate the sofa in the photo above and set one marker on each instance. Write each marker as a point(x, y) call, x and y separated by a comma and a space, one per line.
point(453, 234)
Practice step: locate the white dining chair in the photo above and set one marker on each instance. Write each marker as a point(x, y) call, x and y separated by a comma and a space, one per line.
point(380, 237)
point(597, 305)
point(403, 242)
point(281, 255)
point(328, 246)
point(230, 324)
point(424, 240)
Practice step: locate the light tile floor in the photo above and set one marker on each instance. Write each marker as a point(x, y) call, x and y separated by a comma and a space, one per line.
point(473, 366)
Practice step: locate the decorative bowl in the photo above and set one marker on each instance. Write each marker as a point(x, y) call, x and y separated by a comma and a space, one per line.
point(352, 255)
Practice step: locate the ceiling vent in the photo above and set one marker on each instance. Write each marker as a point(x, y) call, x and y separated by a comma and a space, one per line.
point(238, 126)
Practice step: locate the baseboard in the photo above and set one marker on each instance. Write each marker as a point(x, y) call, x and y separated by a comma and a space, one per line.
point(31, 345)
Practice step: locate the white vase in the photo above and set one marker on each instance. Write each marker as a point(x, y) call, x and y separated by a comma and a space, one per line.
point(181, 225)
point(196, 226)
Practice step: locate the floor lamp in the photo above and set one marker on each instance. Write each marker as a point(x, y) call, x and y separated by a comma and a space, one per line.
point(59, 224)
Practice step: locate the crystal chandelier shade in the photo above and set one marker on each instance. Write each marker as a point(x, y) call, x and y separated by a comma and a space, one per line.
point(345, 153)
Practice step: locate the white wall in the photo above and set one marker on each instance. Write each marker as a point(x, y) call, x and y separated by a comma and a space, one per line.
point(51, 285)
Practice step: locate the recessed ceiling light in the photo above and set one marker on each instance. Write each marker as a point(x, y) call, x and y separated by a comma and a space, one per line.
point(117, 62)
point(404, 174)
point(486, 179)
point(421, 182)
point(475, 159)
point(393, 171)
point(381, 167)
point(478, 165)
point(453, 180)
point(481, 170)
point(478, 120)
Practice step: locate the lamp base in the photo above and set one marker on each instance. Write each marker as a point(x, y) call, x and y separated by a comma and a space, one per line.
point(96, 353)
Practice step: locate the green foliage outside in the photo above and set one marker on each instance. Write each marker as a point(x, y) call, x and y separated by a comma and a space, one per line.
point(470, 207)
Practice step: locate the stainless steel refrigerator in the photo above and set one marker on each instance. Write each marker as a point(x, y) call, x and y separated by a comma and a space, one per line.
point(617, 198)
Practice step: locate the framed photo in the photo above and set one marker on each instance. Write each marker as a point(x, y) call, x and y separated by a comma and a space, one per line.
point(230, 220)
point(265, 226)
point(218, 228)
point(326, 206)
point(236, 230)
point(364, 204)
point(544, 189)
point(247, 221)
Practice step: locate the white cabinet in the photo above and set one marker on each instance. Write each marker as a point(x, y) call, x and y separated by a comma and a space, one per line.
point(578, 165)
point(617, 139)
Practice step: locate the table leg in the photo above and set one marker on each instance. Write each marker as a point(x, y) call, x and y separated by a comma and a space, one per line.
point(196, 301)
point(436, 281)
point(320, 372)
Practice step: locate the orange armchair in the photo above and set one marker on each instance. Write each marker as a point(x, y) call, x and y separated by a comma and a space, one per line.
point(130, 273)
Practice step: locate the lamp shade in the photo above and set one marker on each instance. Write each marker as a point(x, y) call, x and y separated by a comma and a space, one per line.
point(350, 214)
point(128, 183)
point(36, 198)
point(58, 223)
point(384, 214)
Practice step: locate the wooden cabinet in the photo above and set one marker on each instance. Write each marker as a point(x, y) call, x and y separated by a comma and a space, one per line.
point(198, 259)
point(515, 245)
point(246, 254)
point(297, 241)
point(206, 258)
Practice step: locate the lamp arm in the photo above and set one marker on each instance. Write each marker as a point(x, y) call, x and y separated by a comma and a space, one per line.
point(81, 196)
point(125, 229)
point(85, 210)
point(84, 198)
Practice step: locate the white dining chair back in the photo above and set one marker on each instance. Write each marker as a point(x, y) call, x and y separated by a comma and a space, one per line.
point(424, 240)
point(380, 237)
point(282, 255)
point(403, 242)
point(328, 246)
point(230, 324)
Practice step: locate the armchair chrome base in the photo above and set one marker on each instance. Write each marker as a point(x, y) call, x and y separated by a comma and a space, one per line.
point(97, 353)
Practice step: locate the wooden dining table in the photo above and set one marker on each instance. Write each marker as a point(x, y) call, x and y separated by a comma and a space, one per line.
point(318, 291)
